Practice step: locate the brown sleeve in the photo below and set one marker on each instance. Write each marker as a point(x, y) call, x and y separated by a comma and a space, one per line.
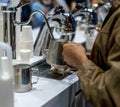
point(92, 82)
point(102, 88)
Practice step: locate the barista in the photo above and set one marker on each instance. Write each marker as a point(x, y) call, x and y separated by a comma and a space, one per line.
point(100, 75)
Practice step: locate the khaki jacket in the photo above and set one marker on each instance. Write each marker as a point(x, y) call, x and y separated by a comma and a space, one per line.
point(100, 78)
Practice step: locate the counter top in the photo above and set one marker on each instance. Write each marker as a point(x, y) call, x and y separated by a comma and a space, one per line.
point(33, 61)
point(46, 93)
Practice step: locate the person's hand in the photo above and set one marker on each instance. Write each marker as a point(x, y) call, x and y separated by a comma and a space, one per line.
point(74, 54)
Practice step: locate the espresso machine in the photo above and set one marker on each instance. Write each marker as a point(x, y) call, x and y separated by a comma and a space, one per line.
point(10, 23)
point(62, 26)
point(59, 27)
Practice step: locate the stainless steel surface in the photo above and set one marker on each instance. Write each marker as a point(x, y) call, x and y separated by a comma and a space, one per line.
point(35, 12)
point(86, 12)
point(67, 25)
point(10, 22)
point(9, 31)
point(23, 77)
point(41, 39)
point(54, 55)
point(9, 18)
point(62, 23)
point(22, 3)
point(45, 71)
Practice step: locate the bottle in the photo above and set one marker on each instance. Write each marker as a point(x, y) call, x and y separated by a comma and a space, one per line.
point(6, 76)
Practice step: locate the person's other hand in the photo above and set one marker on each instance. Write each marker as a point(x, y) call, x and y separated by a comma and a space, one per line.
point(74, 54)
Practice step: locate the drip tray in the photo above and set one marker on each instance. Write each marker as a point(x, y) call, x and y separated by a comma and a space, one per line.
point(44, 71)
point(56, 75)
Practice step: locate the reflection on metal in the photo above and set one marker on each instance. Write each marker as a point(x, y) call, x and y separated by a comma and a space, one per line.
point(62, 23)
point(9, 23)
point(22, 3)
point(41, 12)
point(9, 15)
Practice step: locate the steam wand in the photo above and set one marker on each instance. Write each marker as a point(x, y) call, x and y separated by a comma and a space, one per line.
point(43, 14)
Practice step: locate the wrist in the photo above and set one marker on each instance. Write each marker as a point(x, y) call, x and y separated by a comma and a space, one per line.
point(81, 61)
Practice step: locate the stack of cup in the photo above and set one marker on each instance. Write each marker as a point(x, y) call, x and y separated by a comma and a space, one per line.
point(26, 43)
point(25, 55)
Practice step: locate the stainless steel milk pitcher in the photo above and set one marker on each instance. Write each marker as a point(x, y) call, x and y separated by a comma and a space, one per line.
point(54, 54)
point(23, 78)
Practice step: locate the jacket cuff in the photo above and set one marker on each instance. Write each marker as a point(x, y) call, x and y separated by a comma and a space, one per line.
point(86, 68)
point(86, 65)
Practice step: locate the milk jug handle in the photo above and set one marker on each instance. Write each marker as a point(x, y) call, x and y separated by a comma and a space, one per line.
point(35, 70)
